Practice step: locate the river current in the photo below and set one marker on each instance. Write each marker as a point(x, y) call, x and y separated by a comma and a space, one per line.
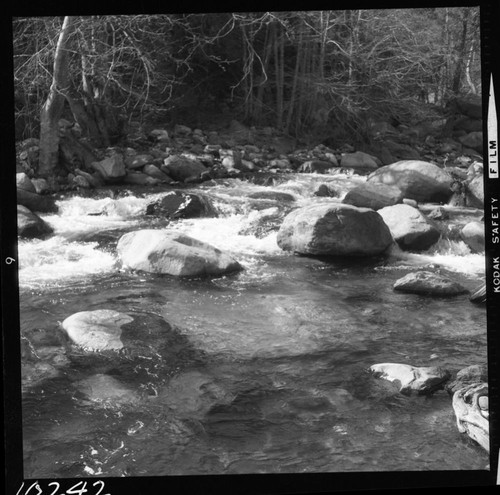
point(263, 371)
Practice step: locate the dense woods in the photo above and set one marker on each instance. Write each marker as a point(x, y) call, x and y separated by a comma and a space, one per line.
point(321, 73)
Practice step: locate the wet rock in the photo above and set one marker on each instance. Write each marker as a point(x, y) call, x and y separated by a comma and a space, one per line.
point(181, 168)
point(98, 330)
point(107, 391)
point(316, 167)
point(479, 295)
point(177, 204)
point(475, 373)
point(418, 180)
point(193, 394)
point(164, 252)
point(272, 195)
point(24, 182)
point(428, 283)
point(410, 379)
point(438, 213)
point(326, 191)
point(374, 196)
point(359, 160)
point(473, 235)
point(334, 230)
point(36, 202)
point(30, 225)
point(470, 404)
point(409, 228)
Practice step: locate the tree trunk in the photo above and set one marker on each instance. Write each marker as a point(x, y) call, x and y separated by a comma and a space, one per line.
point(54, 105)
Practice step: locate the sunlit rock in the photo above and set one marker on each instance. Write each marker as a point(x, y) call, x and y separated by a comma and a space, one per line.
point(410, 229)
point(473, 235)
point(334, 230)
point(111, 168)
point(173, 253)
point(181, 168)
point(410, 379)
point(98, 330)
point(24, 182)
point(470, 404)
point(428, 283)
point(417, 180)
point(374, 196)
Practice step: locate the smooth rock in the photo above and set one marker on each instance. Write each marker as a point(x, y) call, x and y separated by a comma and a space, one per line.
point(474, 191)
point(107, 391)
point(471, 418)
point(98, 330)
point(473, 235)
point(358, 160)
point(156, 173)
point(428, 283)
point(30, 225)
point(411, 379)
point(335, 230)
point(181, 168)
point(173, 253)
point(418, 180)
point(374, 196)
point(410, 229)
point(140, 179)
point(272, 195)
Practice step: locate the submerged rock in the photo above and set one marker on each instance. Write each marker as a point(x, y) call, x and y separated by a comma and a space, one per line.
point(107, 391)
point(272, 195)
point(334, 230)
point(428, 283)
point(98, 330)
point(374, 196)
point(418, 180)
point(410, 229)
point(30, 225)
point(470, 404)
point(173, 253)
point(411, 379)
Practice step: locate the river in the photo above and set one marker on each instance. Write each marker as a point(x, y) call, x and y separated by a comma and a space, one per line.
point(261, 371)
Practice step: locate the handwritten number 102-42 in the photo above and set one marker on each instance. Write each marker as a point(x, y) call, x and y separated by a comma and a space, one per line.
point(79, 488)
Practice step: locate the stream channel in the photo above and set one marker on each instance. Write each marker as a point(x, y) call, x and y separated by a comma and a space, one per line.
point(260, 371)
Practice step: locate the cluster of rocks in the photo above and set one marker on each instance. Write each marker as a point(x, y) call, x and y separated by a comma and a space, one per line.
point(469, 391)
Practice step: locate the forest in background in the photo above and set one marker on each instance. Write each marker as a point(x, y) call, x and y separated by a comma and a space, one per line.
point(322, 73)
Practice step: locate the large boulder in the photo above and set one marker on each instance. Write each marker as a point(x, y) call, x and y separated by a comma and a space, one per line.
point(177, 204)
point(471, 407)
point(409, 228)
point(416, 179)
point(30, 225)
point(374, 196)
point(173, 253)
point(36, 202)
point(474, 191)
point(98, 330)
point(473, 235)
point(181, 168)
point(428, 283)
point(411, 379)
point(334, 230)
point(111, 168)
point(473, 140)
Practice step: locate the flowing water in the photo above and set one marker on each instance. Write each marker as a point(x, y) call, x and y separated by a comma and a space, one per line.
point(261, 371)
